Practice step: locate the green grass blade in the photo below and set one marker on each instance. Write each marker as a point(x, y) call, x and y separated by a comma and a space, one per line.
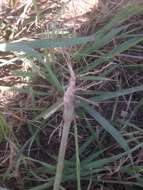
point(123, 15)
point(99, 43)
point(44, 186)
point(51, 168)
point(88, 141)
point(35, 54)
point(115, 52)
point(109, 95)
point(51, 110)
point(103, 37)
point(94, 78)
point(46, 43)
point(77, 158)
point(87, 168)
point(106, 125)
point(4, 128)
point(102, 162)
point(93, 156)
point(23, 74)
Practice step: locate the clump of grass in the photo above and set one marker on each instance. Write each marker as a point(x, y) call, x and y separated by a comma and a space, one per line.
point(106, 142)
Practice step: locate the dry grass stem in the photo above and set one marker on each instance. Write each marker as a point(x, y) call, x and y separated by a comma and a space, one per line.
point(68, 116)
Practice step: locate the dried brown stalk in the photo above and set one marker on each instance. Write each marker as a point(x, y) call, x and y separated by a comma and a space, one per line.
point(68, 116)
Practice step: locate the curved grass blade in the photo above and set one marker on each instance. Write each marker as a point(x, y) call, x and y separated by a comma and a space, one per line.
point(106, 125)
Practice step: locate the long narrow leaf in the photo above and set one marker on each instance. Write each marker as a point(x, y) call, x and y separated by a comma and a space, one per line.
point(106, 125)
point(51, 110)
point(46, 43)
point(77, 158)
point(109, 95)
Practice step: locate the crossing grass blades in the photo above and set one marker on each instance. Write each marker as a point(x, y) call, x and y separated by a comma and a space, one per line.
point(88, 134)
